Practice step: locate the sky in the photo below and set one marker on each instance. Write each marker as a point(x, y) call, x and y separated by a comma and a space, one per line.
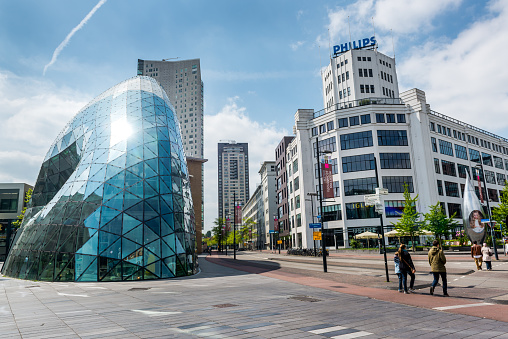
point(260, 62)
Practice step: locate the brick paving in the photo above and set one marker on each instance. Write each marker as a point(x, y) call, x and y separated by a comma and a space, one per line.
point(234, 300)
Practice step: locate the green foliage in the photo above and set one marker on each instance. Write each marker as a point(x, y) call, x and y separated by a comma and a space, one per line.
point(217, 230)
point(16, 224)
point(208, 234)
point(409, 223)
point(438, 223)
point(355, 243)
point(500, 212)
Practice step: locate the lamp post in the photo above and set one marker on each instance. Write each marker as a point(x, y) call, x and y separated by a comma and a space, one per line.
point(482, 178)
point(323, 247)
point(234, 226)
point(226, 234)
point(313, 194)
point(382, 227)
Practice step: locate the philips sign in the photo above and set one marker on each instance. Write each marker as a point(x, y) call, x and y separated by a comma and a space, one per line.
point(354, 45)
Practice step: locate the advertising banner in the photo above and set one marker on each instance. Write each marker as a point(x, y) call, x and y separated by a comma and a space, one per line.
point(326, 171)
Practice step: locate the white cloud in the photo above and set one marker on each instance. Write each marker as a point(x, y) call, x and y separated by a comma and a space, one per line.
point(32, 113)
point(294, 46)
point(465, 78)
point(233, 123)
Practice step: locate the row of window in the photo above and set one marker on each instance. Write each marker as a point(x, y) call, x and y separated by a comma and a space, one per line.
point(366, 89)
point(388, 92)
point(363, 72)
point(361, 186)
point(356, 120)
point(365, 162)
point(446, 148)
point(448, 168)
point(364, 139)
point(470, 138)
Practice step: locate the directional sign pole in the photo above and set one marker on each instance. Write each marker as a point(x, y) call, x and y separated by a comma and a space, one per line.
point(382, 227)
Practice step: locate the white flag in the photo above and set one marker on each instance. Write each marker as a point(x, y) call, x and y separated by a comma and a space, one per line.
point(472, 213)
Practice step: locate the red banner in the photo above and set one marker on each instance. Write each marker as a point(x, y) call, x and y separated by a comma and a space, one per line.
point(326, 172)
point(276, 224)
point(238, 215)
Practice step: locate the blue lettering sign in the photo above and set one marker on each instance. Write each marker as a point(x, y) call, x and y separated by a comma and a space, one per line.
point(354, 45)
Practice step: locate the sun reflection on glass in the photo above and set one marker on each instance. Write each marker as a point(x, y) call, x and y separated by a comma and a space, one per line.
point(120, 130)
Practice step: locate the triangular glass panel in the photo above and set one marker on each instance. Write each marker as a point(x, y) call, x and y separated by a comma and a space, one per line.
point(136, 211)
point(165, 272)
point(113, 154)
point(132, 160)
point(171, 264)
point(129, 223)
point(155, 247)
point(135, 234)
point(165, 227)
point(136, 189)
point(111, 171)
point(116, 202)
point(113, 251)
point(110, 191)
point(91, 186)
point(150, 192)
point(131, 179)
point(165, 209)
point(114, 226)
point(166, 250)
point(149, 212)
point(153, 163)
point(91, 246)
point(93, 220)
point(119, 162)
point(149, 235)
point(118, 180)
point(128, 249)
point(149, 172)
point(137, 169)
point(106, 239)
point(107, 214)
point(86, 268)
point(154, 224)
point(179, 248)
point(149, 257)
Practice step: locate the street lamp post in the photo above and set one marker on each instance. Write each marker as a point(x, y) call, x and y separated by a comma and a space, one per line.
point(323, 247)
point(382, 227)
point(482, 177)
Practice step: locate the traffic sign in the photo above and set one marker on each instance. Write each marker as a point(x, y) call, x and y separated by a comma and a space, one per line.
point(273, 231)
point(315, 225)
point(381, 190)
point(279, 241)
point(485, 220)
point(316, 235)
point(371, 199)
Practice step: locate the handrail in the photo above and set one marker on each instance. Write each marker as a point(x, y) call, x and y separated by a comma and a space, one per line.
point(358, 103)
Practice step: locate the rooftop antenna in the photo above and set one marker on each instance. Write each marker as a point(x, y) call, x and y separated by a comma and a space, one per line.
point(393, 45)
point(349, 25)
point(329, 43)
point(374, 29)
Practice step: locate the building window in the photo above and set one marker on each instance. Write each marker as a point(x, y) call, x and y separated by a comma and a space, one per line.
point(356, 140)
point(314, 131)
point(322, 128)
point(455, 209)
point(380, 118)
point(401, 118)
point(343, 122)
point(332, 212)
point(9, 200)
point(354, 121)
point(356, 163)
point(390, 118)
point(371, 88)
point(392, 138)
point(329, 126)
point(445, 147)
point(498, 162)
point(365, 119)
point(297, 201)
point(362, 89)
point(336, 188)
point(432, 127)
point(448, 168)
point(460, 152)
point(474, 155)
point(501, 179)
point(490, 177)
point(295, 167)
point(395, 184)
point(439, 187)
point(487, 159)
point(360, 186)
point(298, 220)
point(371, 76)
point(493, 195)
point(394, 208)
point(333, 165)
point(326, 145)
point(394, 160)
point(451, 189)
point(358, 210)
point(462, 169)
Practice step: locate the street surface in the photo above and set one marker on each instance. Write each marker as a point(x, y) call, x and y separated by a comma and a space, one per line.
point(263, 295)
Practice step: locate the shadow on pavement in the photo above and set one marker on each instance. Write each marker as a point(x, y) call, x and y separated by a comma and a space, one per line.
point(221, 265)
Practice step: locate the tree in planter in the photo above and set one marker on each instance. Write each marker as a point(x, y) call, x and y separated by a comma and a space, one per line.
point(438, 223)
point(409, 223)
point(500, 212)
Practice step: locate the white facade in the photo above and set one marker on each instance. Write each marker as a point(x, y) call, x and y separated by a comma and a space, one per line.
point(268, 182)
point(254, 210)
point(402, 137)
point(356, 75)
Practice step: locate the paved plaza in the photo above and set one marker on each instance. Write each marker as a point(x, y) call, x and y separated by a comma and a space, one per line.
point(260, 295)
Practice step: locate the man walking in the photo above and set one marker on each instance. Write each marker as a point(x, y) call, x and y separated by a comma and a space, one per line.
point(476, 253)
point(437, 261)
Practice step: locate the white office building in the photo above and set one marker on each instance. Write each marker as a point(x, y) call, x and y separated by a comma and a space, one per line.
point(362, 129)
point(268, 181)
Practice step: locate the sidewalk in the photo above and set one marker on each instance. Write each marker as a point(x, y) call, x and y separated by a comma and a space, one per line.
point(471, 305)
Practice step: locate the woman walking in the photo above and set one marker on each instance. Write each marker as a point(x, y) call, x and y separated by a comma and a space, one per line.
point(406, 267)
point(396, 260)
point(487, 256)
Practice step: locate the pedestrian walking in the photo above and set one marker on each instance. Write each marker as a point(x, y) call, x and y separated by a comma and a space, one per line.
point(437, 261)
point(406, 267)
point(476, 253)
point(487, 256)
point(396, 260)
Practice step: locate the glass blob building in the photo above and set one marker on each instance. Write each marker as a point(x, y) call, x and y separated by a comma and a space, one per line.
point(112, 200)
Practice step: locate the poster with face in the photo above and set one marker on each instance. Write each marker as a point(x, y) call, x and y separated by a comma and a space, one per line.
point(473, 214)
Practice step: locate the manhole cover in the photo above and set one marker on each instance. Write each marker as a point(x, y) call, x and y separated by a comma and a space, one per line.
point(224, 305)
point(32, 286)
point(304, 298)
point(139, 288)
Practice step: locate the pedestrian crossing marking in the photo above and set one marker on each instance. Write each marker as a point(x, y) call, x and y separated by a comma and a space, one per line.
point(444, 308)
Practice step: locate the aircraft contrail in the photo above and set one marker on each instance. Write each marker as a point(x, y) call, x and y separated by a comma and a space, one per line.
point(64, 43)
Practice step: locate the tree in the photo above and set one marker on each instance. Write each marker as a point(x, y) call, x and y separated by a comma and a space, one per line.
point(16, 224)
point(208, 234)
point(438, 223)
point(409, 223)
point(500, 212)
point(217, 231)
point(249, 226)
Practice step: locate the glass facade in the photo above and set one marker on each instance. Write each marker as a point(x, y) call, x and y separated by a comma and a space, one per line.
point(356, 140)
point(112, 200)
point(392, 138)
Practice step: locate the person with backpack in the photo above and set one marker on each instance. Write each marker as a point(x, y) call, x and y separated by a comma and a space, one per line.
point(406, 267)
point(437, 261)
